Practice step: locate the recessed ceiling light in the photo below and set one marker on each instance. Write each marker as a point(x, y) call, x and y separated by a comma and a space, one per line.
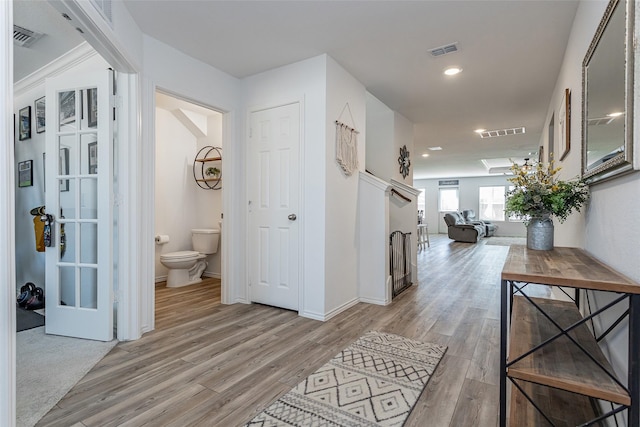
point(435, 148)
point(425, 155)
point(479, 130)
point(616, 114)
point(452, 71)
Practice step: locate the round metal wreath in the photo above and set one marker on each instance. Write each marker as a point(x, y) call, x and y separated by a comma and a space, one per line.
point(404, 161)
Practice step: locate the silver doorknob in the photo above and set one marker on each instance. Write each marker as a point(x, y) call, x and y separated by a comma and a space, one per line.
point(292, 217)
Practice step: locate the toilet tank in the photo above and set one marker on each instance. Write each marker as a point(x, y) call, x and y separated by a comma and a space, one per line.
point(205, 240)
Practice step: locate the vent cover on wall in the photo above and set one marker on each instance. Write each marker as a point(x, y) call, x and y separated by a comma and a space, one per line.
point(501, 132)
point(443, 50)
point(23, 37)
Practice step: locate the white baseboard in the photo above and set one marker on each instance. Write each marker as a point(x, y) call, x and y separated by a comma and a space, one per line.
point(375, 301)
point(205, 274)
point(326, 316)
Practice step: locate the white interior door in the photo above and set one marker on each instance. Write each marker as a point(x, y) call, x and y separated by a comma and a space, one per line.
point(78, 174)
point(274, 182)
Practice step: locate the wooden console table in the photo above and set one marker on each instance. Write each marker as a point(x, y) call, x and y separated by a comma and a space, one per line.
point(554, 363)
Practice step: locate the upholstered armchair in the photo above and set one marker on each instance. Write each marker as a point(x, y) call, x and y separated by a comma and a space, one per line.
point(460, 231)
point(469, 216)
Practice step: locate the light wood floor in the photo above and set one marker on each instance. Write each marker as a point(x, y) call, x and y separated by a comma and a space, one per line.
point(208, 364)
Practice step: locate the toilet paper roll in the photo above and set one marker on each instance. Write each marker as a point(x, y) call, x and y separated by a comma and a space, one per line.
point(161, 239)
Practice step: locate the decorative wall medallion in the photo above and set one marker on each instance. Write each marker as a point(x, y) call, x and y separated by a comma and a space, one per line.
point(404, 161)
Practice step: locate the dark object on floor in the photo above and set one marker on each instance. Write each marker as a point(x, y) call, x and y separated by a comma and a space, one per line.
point(36, 301)
point(26, 319)
point(26, 292)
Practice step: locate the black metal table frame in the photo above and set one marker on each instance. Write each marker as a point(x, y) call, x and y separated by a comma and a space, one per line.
point(632, 313)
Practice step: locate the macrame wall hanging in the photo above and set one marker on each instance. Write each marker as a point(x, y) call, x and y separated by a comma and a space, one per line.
point(346, 144)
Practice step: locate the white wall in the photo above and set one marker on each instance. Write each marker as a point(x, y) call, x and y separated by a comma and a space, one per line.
point(387, 131)
point(380, 136)
point(608, 229)
point(209, 206)
point(303, 82)
point(402, 136)
point(469, 199)
point(181, 204)
point(341, 199)
point(373, 265)
point(329, 198)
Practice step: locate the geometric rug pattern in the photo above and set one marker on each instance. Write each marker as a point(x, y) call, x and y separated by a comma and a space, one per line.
point(375, 381)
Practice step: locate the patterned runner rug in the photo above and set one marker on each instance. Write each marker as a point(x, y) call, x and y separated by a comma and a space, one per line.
point(375, 381)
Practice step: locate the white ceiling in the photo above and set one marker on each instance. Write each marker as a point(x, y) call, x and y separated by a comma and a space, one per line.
point(510, 52)
point(59, 37)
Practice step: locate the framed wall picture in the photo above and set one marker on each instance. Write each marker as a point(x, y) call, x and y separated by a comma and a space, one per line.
point(64, 168)
point(564, 125)
point(67, 107)
point(25, 173)
point(92, 107)
point(93, 157)
point(40, 115)
point(24, 123)
point(551, 138)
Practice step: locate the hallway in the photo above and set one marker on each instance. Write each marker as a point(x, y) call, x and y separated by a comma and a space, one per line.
point(217, 365)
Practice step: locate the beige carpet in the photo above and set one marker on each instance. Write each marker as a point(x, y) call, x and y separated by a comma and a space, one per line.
point(505, 241)
point(375, 381)
point(48, 366)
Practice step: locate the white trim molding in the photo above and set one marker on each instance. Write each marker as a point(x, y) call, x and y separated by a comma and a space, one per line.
point(7, 227)
point(323, 317)
point(65, 62)
point(409, 189)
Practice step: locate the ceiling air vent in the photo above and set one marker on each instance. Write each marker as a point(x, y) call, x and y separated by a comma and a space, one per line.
point(443, 50)
point(501, 132)
point(23, 37)
point(104, 7)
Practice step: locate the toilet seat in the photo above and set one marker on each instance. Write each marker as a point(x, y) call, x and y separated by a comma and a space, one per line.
point(180, 255)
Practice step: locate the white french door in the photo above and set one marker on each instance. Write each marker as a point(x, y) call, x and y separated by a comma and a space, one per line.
point(274, 183)
point(78, 175)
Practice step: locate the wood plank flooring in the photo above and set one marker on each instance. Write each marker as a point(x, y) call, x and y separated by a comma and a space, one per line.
point(209, 364)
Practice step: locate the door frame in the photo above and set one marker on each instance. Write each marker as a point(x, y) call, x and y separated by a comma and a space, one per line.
point(227, 121)
point(7, 227)
point(301, 197)
point(131, 311)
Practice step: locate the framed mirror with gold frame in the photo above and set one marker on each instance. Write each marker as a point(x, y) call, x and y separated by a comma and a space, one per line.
point(607, 96)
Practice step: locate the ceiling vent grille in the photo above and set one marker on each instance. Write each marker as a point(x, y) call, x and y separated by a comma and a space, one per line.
point(505, 170)
point(23, 37)
point(443, 50)
point(502, 132)
point(104, 7)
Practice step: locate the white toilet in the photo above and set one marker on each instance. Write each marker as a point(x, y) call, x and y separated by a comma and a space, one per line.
point(186, 267)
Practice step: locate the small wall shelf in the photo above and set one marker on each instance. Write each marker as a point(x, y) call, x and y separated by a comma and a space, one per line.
point(207, 168)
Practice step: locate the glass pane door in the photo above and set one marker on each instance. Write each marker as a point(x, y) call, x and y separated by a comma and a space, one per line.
point(79, 265)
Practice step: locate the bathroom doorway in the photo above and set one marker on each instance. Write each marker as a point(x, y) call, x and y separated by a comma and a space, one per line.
point(183, 130)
